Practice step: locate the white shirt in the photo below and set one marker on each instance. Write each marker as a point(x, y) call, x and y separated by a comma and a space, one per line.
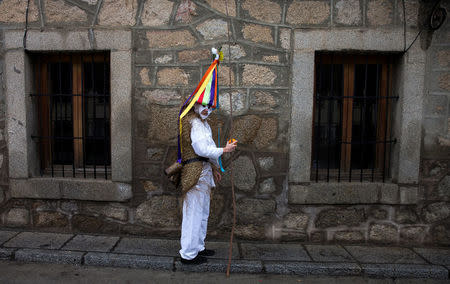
point(204, 146)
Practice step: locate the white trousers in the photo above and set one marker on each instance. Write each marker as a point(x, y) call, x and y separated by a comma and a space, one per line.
point(195, 220)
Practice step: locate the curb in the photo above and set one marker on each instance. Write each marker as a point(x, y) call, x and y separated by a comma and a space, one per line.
point(7, 253)
point(404, 271)
point(313, 268)
point(220, 265)
point(128, 260)
point(49, 256)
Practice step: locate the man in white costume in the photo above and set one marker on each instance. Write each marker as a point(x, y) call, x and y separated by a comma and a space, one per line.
point(197, 198)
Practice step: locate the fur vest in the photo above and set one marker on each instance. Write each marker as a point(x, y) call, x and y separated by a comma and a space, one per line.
point(191, 172)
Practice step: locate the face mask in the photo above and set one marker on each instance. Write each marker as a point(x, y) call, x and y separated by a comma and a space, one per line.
point(198, 108)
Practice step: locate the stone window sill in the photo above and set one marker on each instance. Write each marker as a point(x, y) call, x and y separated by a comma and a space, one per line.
point(352, 193)
point(70, 188)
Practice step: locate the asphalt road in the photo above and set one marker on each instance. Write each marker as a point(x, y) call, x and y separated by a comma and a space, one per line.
point(16, 272)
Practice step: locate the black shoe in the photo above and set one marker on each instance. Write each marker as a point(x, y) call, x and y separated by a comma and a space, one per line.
point(207, 252)
point(196, 260)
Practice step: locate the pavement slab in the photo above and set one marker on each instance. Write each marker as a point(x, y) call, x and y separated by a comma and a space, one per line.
point(435, 255)
point(128, 260)
point(312, 268)
point(220, 265)
point(328, 253)
point(148, 246)
point(222, 249)
point(274, 252)
point(6, 253)
point(404, 271)
point(91, 243)
point(6, 235)
point(49, 256)
point(38, 240)
point(366, 254)
point(168, 247)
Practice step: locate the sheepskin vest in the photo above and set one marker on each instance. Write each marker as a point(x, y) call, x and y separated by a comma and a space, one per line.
point(191, 172)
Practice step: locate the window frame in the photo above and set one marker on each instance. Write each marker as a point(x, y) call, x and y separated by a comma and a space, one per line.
point(407, 115)
point(21, 123)
point(42, 95)
point(383, 121)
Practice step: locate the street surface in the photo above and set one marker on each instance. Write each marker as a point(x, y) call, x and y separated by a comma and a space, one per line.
point(17, 272)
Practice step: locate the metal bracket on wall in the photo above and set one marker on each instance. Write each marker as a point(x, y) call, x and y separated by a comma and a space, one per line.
point(437, 18)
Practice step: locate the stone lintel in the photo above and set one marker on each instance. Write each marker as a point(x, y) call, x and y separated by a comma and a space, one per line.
point(344, 193)
point(113, 39)
point(77, 40)
point(350, 39)
point(70, 188)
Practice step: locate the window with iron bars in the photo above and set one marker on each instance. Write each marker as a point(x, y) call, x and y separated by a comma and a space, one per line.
point(72, 96)
point(353, 100)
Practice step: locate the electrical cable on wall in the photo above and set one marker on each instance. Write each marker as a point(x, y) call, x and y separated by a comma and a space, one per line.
point(404, 25)
point(26, 26)
point(435, 21)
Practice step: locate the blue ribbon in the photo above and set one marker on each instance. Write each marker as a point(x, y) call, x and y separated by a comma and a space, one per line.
point(220, 158)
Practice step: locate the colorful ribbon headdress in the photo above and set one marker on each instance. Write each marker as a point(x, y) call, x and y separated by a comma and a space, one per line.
point(206, 93)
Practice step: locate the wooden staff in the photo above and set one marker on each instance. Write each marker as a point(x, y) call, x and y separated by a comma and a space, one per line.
point(230, 250)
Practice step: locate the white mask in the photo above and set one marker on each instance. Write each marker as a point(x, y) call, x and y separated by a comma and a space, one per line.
point(198, 108)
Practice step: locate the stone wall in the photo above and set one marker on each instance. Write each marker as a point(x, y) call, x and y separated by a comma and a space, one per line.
point(4, 194)
point(436, 113)
point(171, 51)
point(436, 125)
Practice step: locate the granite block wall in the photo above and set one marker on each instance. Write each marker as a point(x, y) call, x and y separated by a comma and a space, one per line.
point(171, 51)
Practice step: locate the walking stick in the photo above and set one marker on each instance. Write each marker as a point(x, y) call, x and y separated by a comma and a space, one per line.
point(230, 250)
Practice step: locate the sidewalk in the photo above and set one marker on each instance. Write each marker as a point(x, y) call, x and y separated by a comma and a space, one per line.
point(159, 254)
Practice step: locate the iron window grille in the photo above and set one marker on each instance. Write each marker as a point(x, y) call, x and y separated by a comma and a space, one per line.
point(352, 117)
point(72, 96)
